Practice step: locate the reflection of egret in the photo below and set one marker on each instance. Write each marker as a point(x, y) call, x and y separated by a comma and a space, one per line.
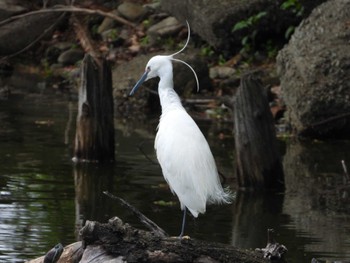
point(184, 155)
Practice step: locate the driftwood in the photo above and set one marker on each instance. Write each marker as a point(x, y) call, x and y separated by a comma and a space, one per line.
point(273, 250)
point(257, 158)
point(71, 254)
point(133, 245)
point(118, 242)
point(94, 139)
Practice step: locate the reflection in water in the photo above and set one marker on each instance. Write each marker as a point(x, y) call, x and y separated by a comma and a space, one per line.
point(90, 181)
point(254, 213)
point(314, 178)
point(45, 198)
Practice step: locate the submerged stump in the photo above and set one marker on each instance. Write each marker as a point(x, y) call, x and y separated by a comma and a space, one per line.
point(258, 163)
point(94, 138)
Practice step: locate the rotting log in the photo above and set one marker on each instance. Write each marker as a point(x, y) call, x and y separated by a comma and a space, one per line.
point(258, 163)
point(118, 242)
point(71, 254)
point(135, 245)
point(94, 138)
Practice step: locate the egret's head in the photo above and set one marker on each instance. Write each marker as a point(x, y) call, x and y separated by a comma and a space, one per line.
point(156, 67)
point(159, 66)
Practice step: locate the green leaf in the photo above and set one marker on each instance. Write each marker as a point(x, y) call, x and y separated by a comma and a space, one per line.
point(240, 25)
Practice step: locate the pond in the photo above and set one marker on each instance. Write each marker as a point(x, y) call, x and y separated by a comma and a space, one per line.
point(45, 198)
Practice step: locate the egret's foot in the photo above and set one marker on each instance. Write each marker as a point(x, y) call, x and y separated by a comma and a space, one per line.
point(181, 237)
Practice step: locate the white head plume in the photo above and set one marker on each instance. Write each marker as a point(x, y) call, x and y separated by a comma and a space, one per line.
point(182, 49)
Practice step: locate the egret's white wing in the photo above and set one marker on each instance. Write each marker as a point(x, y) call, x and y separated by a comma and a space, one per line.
point(187, 162)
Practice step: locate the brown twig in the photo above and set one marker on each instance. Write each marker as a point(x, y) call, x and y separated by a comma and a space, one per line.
point(146, 156)
point(330, 119)
point(345, 169)
point(71, 9)
point(145, 220)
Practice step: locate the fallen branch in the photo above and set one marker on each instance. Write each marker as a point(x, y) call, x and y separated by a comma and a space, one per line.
point(345, 169)
point(145, 220)
point(117, 242)
point(71, 9)
point(330, 119)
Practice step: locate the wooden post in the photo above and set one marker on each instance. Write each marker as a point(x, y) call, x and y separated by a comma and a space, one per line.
point(258, 163)
point(94, 138)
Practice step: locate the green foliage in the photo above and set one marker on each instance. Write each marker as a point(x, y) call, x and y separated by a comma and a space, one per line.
point(271, 49)
point(222, 60)
point(248, 29)
point(113, 34)
point(48, 72)
point(164, 203)
point(293, 5)
point(144, 41)
point(146, 23)
point(248, 40)
point(296, 8)
point(207, 51)
point(249, 22)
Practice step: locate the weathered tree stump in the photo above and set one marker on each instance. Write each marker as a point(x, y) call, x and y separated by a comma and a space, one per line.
point(94, 138)
point(258, 163)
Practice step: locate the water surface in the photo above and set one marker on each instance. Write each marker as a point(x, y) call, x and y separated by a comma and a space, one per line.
point(45, 198)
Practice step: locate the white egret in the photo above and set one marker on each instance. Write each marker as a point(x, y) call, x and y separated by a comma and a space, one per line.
point(183, 153)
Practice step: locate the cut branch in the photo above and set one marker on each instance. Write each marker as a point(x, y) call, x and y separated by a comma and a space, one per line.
point(84, 38)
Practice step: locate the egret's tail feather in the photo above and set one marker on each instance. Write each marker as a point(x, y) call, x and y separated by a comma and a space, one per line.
point(224, 196)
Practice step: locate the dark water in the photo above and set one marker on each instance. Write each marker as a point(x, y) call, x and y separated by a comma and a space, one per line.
point(45, 198)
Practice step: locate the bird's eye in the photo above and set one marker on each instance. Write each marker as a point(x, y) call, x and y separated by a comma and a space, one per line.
point(148, 69)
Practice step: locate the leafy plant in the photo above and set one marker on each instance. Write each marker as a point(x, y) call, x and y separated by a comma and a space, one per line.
point(144, 41)
point(207, 51)
point(293, 5)
point(248, 40)
point(296, 8)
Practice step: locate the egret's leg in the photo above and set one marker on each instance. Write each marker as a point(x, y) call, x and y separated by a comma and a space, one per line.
point(183, 224)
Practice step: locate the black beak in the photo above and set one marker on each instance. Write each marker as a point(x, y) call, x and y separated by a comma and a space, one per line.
point(138, 84)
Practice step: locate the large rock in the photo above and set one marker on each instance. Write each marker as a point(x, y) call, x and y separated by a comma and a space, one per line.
point(20, 33)
point(7, 9)
point(213, 20)
point(315, 72)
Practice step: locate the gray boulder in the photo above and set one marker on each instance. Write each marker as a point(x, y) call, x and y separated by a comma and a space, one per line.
point(7, 9)
point(213, 20)
point(18, 34)
point(314, 69)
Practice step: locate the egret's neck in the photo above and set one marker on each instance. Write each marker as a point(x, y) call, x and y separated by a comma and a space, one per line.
point(168, 97)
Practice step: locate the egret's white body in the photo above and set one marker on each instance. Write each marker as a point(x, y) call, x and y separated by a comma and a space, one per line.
point(182, 150)
point(183, 153)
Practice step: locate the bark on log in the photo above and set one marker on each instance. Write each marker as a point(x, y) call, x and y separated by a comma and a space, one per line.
point(119, 242)
point(258, 163)
point(94, 139)
point(134, 245)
